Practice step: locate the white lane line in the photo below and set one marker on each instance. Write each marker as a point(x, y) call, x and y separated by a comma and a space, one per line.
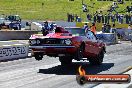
point(5, 41)
point(17, 44)
point(6, 45)
point(116, 85)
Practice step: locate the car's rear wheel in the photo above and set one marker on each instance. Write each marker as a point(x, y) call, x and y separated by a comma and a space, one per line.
point(65, 60)
point(38, 56)
point(79, 53)
point(98, 60)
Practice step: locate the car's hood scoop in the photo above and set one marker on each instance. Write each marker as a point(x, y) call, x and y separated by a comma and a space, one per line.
point(52, 35)
point(59, 35)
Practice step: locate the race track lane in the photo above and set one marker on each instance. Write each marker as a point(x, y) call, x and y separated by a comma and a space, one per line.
point(48, 73)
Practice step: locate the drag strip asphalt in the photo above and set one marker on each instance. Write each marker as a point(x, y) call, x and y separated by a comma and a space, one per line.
point(48, 73)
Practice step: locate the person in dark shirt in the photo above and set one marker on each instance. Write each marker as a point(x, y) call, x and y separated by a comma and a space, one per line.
point(45, 28)
point(106, 19)
point(127, 18)
point(76, 18)
point(104, 28)
point(102, 18)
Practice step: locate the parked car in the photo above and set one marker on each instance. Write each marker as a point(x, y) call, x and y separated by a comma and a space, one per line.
point(11, 22)
point(68, 44)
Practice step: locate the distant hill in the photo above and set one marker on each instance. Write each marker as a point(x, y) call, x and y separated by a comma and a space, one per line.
point(53, 9)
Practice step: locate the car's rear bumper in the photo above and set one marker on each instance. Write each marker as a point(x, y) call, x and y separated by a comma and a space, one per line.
point(54, 50)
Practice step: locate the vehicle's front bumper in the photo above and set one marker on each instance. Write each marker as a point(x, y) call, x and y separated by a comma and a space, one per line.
point(44, 47)
point(54, 50)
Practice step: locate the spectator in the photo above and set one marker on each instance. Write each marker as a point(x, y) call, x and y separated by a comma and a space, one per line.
point(120, 1)
point(88, 17)
point(76, 17)
point(93, 28)
point(129, 27)
point(79, 19)
point(99, 17)
point(86, 27)
point(121, 18)
point(131, 19)
point(52, 26)
point(108, 28)
point(113, 18)
point(127, 18)
point(94, 18)
point(68, 16)
point(72, 17)
point(102, 18)
point(118, 18)
point(113, 29)
point(45, 28)
point(104, 28)
point(106, 19)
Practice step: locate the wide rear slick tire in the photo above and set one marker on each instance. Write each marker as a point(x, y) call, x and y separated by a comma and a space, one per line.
point(38, 56)
point(79, 53)
point(65, 60)
point(98, 60)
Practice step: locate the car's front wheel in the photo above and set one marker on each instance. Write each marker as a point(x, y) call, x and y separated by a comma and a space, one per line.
point(98, 60)
point(38, 56)
point(65, 60)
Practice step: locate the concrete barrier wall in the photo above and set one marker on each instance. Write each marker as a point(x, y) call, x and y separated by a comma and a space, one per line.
point(16, 34)
point(125, 34)
point(65, 24)
point(38, 25)
point(16, 51)
point(108, 38)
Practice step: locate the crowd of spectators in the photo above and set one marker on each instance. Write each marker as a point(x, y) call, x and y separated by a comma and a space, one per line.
point(103, 18)
point(110, 18)
point(73, 18)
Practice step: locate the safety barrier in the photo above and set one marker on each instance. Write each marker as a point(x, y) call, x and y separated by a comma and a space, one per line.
point(108, 38)
point(16, 34)
point(124, 34)
point(15, 51)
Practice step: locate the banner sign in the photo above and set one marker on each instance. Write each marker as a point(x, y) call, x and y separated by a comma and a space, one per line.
point(14, 52)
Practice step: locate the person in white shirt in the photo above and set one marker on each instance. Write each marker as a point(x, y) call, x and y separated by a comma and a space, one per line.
point(129, 27)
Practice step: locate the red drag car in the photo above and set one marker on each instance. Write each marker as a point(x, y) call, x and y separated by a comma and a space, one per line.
point(68, 44)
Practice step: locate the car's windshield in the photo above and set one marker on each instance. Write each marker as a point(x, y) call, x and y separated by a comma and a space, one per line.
point(76, 31)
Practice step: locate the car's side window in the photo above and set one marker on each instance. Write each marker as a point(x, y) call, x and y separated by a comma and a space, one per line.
point(90, 35)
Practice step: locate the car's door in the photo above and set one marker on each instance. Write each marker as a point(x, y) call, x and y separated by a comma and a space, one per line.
point(92, 43)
